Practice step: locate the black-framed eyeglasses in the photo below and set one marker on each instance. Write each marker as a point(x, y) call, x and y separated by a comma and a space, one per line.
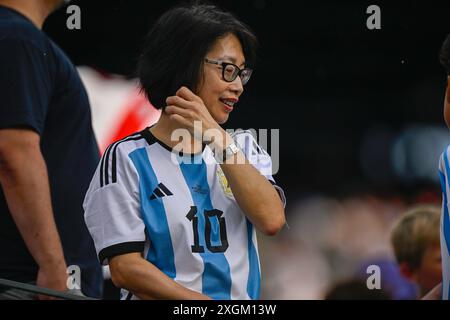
point(231, 71)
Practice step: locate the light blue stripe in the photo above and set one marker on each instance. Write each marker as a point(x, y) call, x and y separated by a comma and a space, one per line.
point(216, 278)
point(154, 215)
point(254, 276)
point(446, 219)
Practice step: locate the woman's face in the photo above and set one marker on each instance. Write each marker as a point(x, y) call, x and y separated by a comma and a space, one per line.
point(220, 97)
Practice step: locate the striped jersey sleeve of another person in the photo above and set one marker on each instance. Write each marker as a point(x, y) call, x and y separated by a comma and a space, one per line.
point(179, 212)
point(444, 171)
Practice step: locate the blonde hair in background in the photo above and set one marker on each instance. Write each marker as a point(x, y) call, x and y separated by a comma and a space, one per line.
point(416, 230)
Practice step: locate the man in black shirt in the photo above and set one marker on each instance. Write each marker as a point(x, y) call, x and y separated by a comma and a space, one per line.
point(48, 155)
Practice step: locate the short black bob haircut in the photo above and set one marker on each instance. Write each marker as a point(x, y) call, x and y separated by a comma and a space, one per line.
point(175, 48)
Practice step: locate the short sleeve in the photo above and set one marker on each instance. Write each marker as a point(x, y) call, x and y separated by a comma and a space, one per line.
point(258, 157)
point(112, 207)
point(25, 84)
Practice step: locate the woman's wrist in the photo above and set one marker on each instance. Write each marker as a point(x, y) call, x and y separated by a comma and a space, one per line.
point(217, 138)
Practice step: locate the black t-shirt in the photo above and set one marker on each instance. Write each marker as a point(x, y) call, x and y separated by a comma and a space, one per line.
point(40, 89)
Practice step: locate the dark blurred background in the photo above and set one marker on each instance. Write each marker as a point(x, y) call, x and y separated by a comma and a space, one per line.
point(358, 110)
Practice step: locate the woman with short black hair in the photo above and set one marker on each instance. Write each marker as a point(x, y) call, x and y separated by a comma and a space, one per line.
point(174, 218)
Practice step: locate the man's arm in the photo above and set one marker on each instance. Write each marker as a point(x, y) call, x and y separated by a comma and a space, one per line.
point(135, 274)
point(25, 183)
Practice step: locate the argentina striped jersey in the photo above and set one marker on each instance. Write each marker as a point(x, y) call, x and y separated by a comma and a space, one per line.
point(181, 215)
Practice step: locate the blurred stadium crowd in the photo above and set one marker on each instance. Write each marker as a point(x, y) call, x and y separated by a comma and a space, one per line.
point(331, 241)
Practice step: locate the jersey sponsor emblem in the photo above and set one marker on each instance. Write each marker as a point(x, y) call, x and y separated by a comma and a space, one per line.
point(224, 183)
point(198, 189)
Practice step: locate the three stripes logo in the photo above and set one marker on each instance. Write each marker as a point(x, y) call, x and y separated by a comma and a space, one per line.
point(160, 191)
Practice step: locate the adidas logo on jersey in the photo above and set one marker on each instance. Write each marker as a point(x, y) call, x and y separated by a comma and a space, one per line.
point(160, 191)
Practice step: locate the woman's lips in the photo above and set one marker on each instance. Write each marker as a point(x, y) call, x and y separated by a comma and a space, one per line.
point(227, 107)
point(228, 103)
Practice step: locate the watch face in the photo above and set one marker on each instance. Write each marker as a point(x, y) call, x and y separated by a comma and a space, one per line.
point(233, 148)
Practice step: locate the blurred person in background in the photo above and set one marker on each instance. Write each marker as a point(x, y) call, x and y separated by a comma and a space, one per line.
point(355, 289)
point(416, 243)
point(177, 220)
point(444, 171)
point(48, 154)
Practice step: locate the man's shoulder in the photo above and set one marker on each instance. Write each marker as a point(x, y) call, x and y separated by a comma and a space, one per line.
point(20, 30)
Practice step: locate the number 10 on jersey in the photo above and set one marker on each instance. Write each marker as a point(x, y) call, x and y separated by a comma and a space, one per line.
point(208, 215)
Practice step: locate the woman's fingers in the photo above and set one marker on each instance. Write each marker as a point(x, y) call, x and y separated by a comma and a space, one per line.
point(188, 95)
point(191, 107)
point(185, 117)
point(180, 102)
point(187, 113)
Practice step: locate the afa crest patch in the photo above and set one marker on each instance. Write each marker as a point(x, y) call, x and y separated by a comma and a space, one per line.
point(224, 183)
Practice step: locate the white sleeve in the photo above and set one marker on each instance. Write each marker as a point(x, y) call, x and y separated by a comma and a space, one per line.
point(112, 206)
point(258, 157)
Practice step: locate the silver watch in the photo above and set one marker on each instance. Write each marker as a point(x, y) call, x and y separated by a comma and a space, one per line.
point(230, 151)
